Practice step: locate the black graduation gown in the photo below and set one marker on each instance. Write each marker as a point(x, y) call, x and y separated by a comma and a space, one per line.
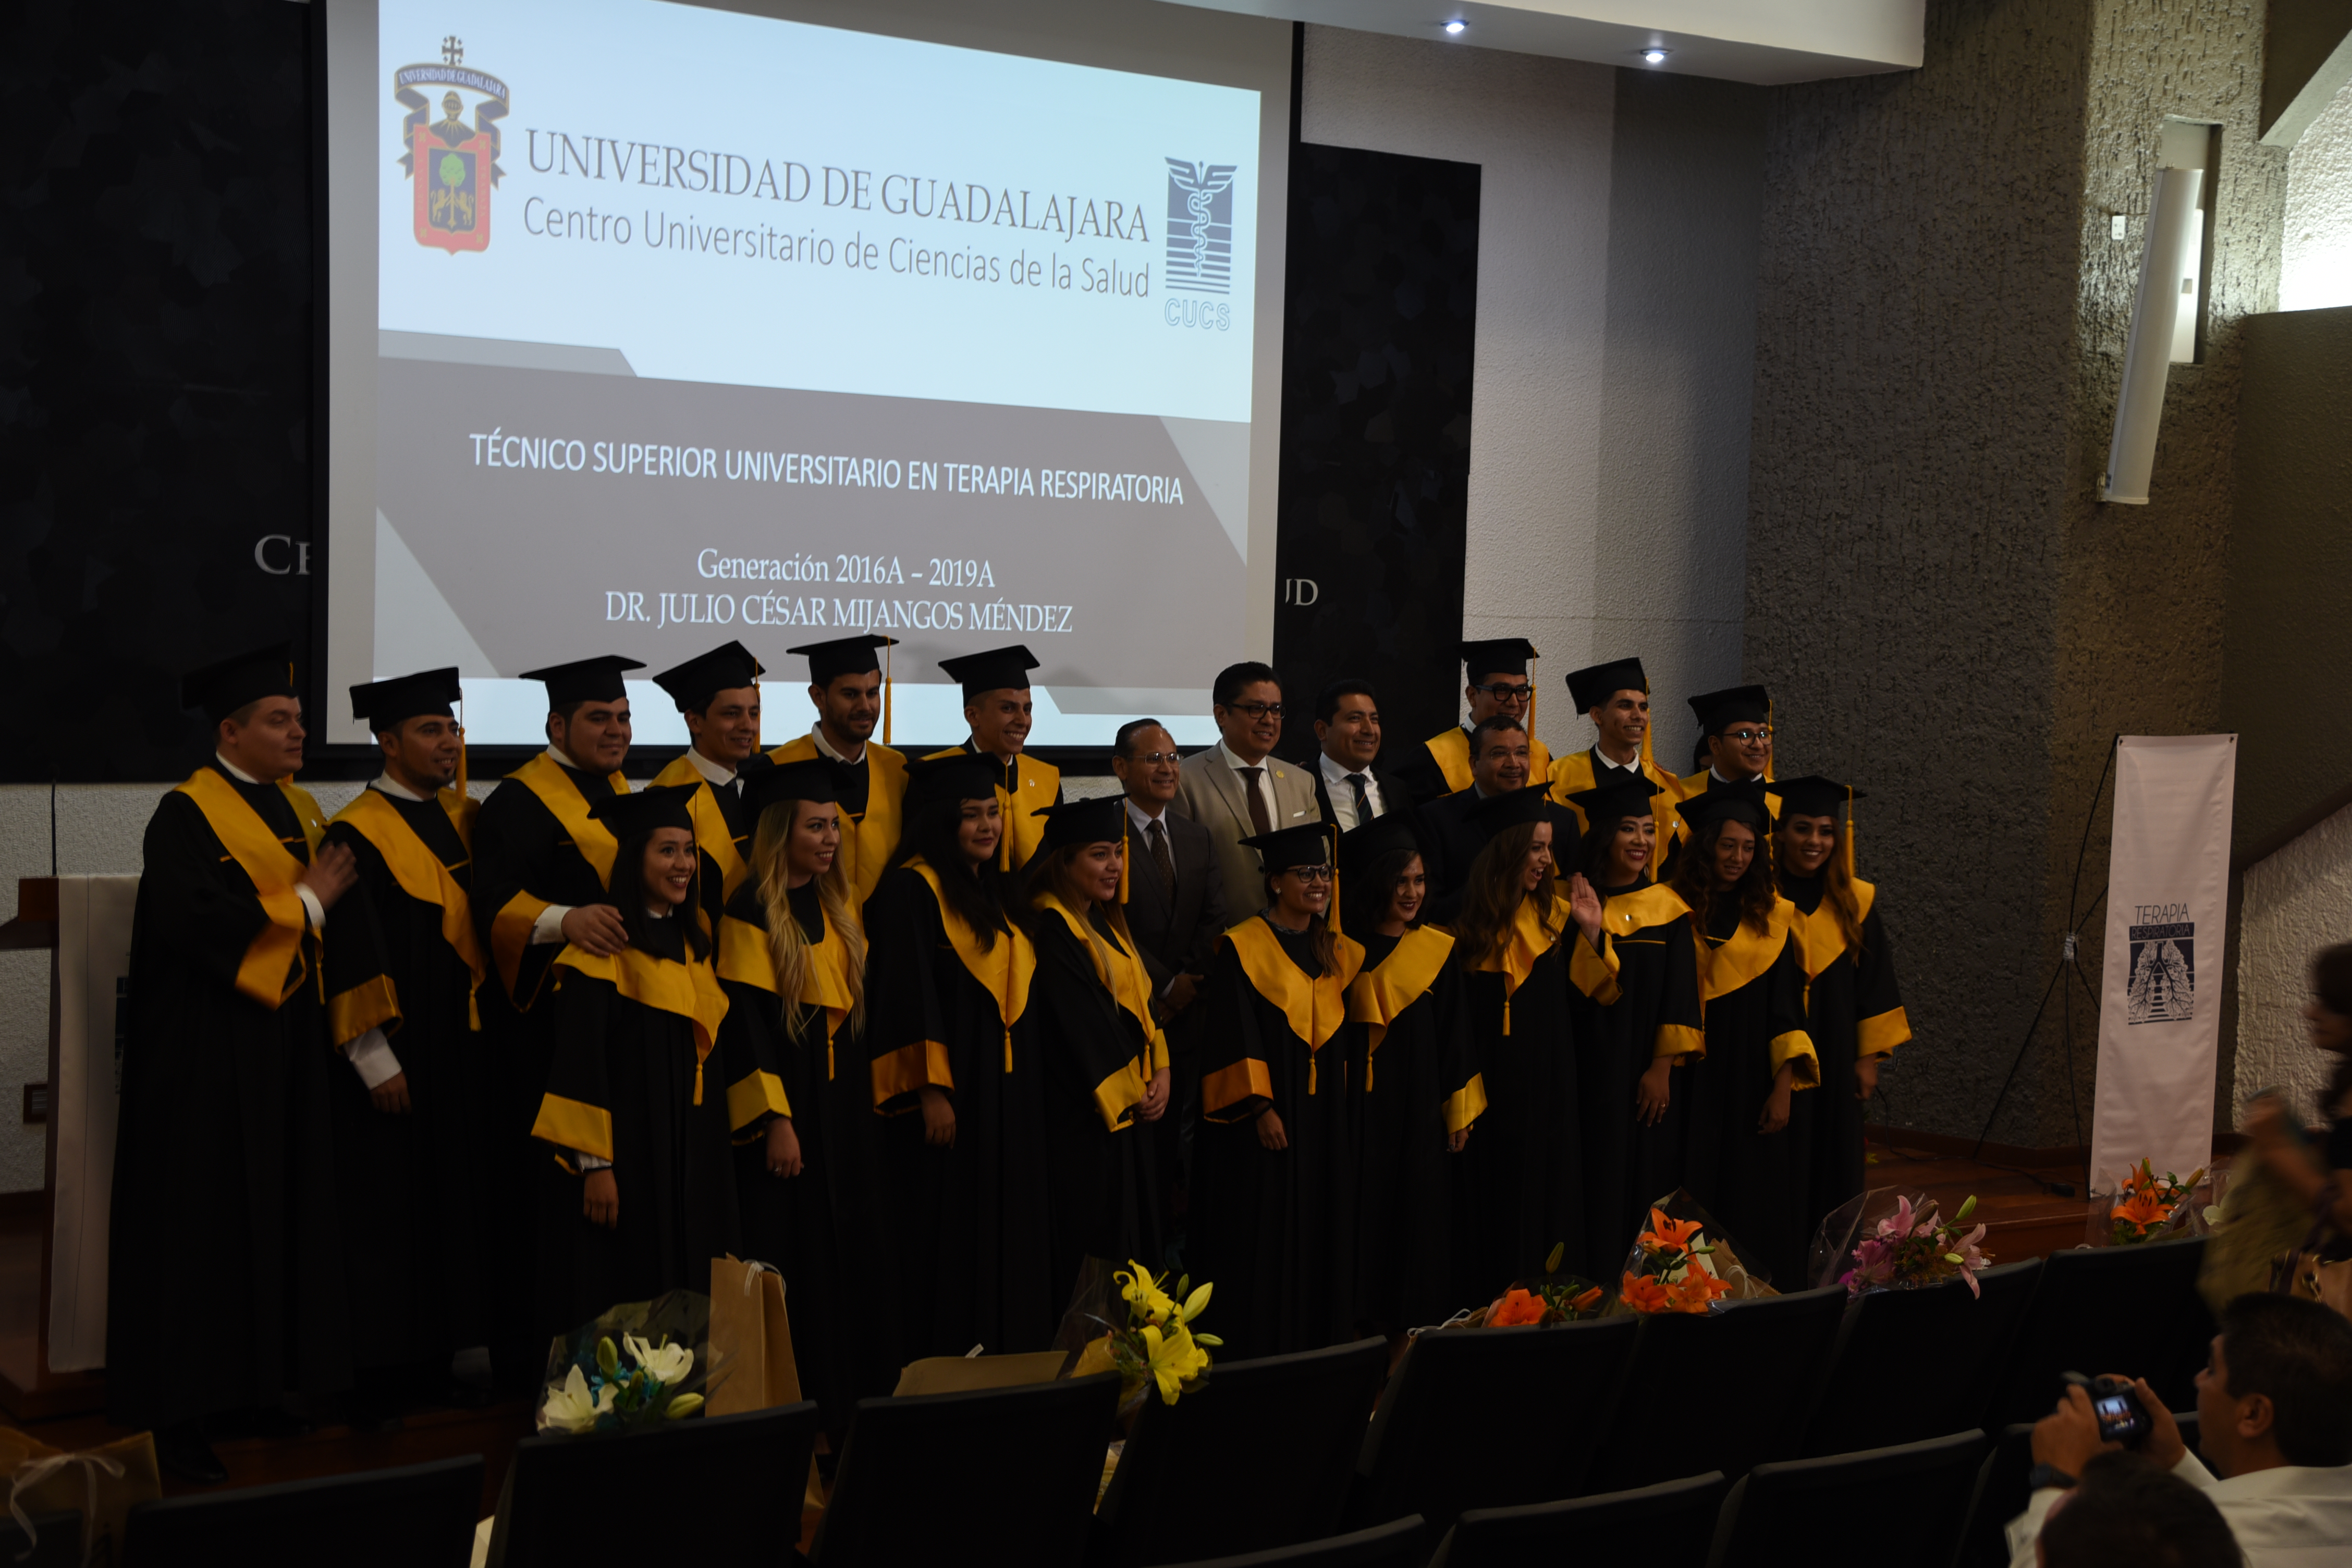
point(1853, 1009)
point(1753, 1183)
point(673, 1158)
point(523, 858)
point(1105, 1199)
point(1522, 1183)
point(961, 1241)
point(1412, 1084)
point(1639, 1004)
point(790, 1222)
point(420, 1232)
point(720, 814)
point(227, 1283)
point(1275, 1228)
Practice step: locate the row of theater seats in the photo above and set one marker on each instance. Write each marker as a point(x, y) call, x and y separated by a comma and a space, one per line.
point(1755, 1418)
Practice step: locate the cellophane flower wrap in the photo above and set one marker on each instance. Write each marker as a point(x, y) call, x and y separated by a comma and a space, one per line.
point(635, 1365)
point(1891, 1238)
point(1551, 1297)
point(2150, 1208)
point(1683, 1262)
point(1132, 1322)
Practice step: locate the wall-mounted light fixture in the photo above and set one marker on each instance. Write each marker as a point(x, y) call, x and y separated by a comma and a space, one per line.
point(2171, 265)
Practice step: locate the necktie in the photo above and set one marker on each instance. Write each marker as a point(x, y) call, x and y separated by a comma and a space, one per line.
point(1156, 838)
point(1259, 821)
point(1363, 801)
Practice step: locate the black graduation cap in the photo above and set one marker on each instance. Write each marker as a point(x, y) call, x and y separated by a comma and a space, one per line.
point(1498, 656)
point(384, 703)
point(1284, 848)
point(998, 670)
point(829, 661)
point(1626, 795)
point(1596, 684)
point(1516, 807)
point(693, 684)
point(220, 690)
point(1741, 802)
point(815, 780)
point(1718, 711)
point(656, 805)
point(1359, 848)
point(584, 679)
point(1095, 821)
point(960, 776)
point(1813, 796)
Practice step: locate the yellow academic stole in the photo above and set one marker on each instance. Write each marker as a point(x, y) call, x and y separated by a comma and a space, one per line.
point(510, 927)
point(1822, 942)
point(1129, 984)
point(867, 840)
point(689, 989)
point(746, 958)
point(421, 876)
point(1746, 954)
point(273, 967)
point(1450, 752)
point(1038, 783)
point(1530, 937)
point(1313, 1006)
point(1004, 971)
point(1400, 979)
point(711, 834)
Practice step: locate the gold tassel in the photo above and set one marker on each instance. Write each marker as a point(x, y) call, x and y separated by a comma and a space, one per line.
point(697, 1080)
point(1008, 1050)
point(1310, 1071)
point(886, 689)
point(1847, 848)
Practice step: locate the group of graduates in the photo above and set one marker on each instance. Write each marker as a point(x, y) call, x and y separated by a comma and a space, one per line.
point(1362, 1046)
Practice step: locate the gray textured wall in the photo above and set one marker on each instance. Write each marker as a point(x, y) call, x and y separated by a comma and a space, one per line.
point(1950, 617)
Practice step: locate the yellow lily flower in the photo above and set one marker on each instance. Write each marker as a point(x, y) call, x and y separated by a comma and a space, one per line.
point(1196, 1303)
point(569, 1407)
point(1173, 1359)
point(1143, 1294)
point(669, 1363)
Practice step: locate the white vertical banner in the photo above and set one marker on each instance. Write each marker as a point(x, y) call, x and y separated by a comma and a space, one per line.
point(2160, 989)
point(93, 965)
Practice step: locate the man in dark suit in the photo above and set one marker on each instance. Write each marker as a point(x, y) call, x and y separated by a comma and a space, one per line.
point(1349, 790)
point(1175, 910)
point(1449, 828)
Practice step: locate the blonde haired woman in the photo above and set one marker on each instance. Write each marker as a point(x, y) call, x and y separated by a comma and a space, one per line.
point(791, 959)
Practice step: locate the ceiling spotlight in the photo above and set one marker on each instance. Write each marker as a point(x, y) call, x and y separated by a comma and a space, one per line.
point(1455, 27)
point(1657, 56)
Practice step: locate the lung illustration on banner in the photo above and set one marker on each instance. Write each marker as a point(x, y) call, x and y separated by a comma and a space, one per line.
point(2167, 876)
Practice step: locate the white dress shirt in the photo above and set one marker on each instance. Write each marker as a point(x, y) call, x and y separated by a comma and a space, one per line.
point(824, 747)
point(1264, 781)
point(720, 774)
point(1343, 793)
point(1606, 761)
point(2295, 1516)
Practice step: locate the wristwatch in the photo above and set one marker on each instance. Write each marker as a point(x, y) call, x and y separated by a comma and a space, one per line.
point(2047, 1474)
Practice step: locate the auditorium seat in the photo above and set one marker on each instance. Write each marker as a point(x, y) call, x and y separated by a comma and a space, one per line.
point(1396, 1544)
point(419, 1516)
point(1999, 1497)
point(1489, 1419)
point(2103, 1309)
point(1799, 1509)
point(1719, 1391)
point(1258, 1456)
point(558, 1512)
point(55, 1540)
point(1645, 1524)
point(1876, 1395)
point(1005, 1474)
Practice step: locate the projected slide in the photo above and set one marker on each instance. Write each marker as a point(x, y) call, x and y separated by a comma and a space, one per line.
point(693, 324)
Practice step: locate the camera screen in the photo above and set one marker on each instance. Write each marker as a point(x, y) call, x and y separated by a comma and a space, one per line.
point(2115, 1415)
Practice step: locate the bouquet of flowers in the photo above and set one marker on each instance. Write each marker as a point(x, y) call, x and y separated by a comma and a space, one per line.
point(1554, 1298)
point(1671, 1268)
point(2148, 1203)
point(638, 1364)
point(1155, 1345)
point(1904, 1247)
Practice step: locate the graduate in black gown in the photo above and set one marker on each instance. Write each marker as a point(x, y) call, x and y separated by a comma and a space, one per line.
point(1415, 1092)
point(791, 959)
point(717, 694)
point(1523, 1176)
point(540, 863)
point(1740, 1161)
point(228, 1285)
point(1107, 1072)
point(412, 1123)
point(1854, 1010)
point(638, 1106)
point(1637, 1013)
point(1273, 1191)
point(961, 1174)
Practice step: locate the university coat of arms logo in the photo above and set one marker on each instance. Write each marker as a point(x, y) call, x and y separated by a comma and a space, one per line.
point(453, 165)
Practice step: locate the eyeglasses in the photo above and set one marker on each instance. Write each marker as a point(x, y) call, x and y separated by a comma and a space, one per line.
point(1255, 710)
point(1745, 737)
point(1502, 692)
point(1308, 873)
point(1155, 758)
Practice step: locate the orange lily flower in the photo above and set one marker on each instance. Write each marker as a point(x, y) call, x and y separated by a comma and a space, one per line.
point(1666, 1232)
point(1697, 1287)
point(1644, 1294)
point(2142, 1209)
point(1517, 1307)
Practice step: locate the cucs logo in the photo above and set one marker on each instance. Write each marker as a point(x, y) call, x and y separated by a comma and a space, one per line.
point(453, 165)
point(1199, 227)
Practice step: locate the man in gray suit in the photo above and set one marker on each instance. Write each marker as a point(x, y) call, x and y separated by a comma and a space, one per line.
point(1175, 910)
point(1237, 789)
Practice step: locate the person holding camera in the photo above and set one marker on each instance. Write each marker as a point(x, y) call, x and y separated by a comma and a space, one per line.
point(2275, 1418)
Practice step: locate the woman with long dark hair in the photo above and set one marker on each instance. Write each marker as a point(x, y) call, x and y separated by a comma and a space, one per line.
point(1415, 1089)
point(791, 959)
point(1106, 1061)
point(639, 1115)
point(1276, 1172)
point(1739, 1160)
point(1523, 1176)
point(1853, 1010)
point(957, 1076)
point(1636, 1014)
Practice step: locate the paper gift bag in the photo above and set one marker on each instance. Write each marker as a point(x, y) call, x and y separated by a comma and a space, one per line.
point(752, 1338)
point(100, 1484)
point(970, 1373)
